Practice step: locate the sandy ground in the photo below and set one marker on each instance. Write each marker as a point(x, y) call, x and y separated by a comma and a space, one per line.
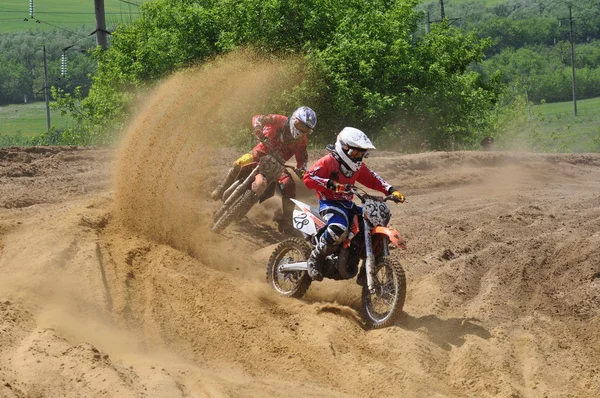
point(503, 288)
point(112, 284)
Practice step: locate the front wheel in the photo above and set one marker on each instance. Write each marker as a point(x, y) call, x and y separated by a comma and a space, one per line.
point(238, 210)
point(290, 284)
point(383, 307)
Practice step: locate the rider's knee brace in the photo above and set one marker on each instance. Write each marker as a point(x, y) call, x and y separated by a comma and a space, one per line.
point(336, 233)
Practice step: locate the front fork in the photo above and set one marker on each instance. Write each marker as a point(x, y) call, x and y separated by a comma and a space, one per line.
point(240, 188)
point(370, 256)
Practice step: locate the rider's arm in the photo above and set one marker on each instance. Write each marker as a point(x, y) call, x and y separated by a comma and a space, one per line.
point(301, 154)
point(372, 180)
point(258, 124)
point(318, 176)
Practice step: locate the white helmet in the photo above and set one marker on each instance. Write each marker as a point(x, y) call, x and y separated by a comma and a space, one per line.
point(351, 147)
point(302, 122)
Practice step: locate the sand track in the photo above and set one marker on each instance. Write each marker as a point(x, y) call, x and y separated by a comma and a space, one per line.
point(502, 270)
point(113, 285)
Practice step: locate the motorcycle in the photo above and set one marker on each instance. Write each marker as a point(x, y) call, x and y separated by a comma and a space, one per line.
point(382, 278)
point(254, 183)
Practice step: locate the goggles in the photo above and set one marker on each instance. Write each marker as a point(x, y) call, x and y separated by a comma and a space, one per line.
point(302, 127)
point(357, 153)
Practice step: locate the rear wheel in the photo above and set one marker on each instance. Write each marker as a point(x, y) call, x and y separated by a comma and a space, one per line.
point(384, 306)
point(290, 284)
point(237, 210)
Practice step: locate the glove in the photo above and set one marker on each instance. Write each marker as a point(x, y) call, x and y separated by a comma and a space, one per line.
point(398, 197)
point(300, 173)
point(334, 186)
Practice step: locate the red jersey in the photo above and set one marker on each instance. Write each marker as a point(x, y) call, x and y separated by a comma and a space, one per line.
point(271, 126)
point(328, 168)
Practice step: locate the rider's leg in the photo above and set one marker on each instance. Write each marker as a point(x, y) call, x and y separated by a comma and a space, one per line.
point(231, 175)
point(287, 187)
point(335, 233)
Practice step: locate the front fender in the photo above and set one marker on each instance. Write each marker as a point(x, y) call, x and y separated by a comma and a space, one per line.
point(259, 185)
point(395, 238)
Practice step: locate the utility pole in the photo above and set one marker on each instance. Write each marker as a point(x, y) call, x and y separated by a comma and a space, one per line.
point(528, 103)
point(428, 25)
point(100, 24)
point(46, 91)
point(442, 13)
point(572, 62)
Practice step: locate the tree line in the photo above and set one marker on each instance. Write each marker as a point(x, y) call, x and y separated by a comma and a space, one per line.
point(368, 63)
point(531, 44)
point(22, 63)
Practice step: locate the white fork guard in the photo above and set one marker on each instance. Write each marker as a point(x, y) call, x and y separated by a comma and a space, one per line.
point(291, 267)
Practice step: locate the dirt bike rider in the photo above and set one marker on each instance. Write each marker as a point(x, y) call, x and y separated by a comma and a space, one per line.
point(289, 136)
point(331, 177)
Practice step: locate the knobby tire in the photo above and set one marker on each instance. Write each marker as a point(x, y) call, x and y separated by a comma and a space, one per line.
point(278, 254)
point(399, 281)
point(238, 210)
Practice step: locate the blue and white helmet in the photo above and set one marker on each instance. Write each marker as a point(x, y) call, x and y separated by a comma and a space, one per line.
point(352, 146)
point(302, 122)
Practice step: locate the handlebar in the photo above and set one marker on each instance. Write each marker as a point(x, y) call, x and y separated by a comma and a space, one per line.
point(363, 195)
point(299, 172)
point(275, 153)
point(272, 151)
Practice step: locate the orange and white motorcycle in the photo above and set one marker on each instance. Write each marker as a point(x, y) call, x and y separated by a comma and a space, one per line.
point(370, 239)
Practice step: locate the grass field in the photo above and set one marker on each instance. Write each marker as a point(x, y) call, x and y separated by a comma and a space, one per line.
point(67, 14)
point(63, 14)
point(28, 119)
point(557, 128)
point(563, 131)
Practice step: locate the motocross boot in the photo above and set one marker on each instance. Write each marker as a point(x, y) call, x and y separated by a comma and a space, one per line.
point(317, 258)
point(217, 194)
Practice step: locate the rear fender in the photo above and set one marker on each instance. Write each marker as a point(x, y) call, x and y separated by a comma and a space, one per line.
point(301, 205)
point(309, 214)
point(304, 222)
point(395, 238)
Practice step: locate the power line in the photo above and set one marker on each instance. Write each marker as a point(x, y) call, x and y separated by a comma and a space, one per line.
point(129, 2)
point(79, 13)
point(55, 26)
point(71, 13)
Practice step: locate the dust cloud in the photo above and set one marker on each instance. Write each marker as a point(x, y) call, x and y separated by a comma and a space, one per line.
point(163, 174)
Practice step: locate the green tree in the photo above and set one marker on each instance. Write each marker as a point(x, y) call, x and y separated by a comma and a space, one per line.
point(22, 54)
point(13, 81)
point(366, 65)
